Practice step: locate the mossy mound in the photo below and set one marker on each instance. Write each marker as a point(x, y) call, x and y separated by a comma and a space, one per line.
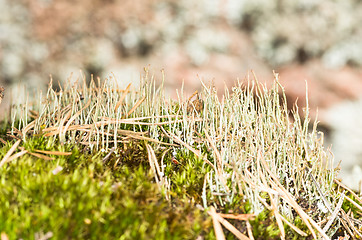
point(87, 200)
point(102, 162)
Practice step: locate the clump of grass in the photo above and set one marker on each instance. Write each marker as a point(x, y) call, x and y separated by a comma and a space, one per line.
point(245, 154)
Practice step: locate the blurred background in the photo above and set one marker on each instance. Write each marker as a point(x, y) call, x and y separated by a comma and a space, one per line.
point(215, 40)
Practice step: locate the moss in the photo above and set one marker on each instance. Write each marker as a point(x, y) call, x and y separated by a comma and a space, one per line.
point(88, 200)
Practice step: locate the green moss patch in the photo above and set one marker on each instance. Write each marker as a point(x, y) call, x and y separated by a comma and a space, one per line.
point(86, 200)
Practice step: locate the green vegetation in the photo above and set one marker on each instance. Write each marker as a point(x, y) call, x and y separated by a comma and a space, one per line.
point(86, 200)
point(97, 161)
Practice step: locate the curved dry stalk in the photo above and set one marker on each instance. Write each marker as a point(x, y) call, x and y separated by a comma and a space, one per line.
point(8, 154)
point(217, 219)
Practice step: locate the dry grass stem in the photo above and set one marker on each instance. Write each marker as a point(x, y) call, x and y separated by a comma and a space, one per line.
point(295, 228)
point(218, 219)
point(349, 190)
point(16, 155)
point(120, 101)
point(217, 226)
point(8, 154)
point(334, 214)
point(242, 217)
point(135, 106)
point(354, 203)
point(249, 229)
point(54, 152)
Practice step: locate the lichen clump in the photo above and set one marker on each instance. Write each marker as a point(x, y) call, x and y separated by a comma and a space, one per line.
point(245, 158)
